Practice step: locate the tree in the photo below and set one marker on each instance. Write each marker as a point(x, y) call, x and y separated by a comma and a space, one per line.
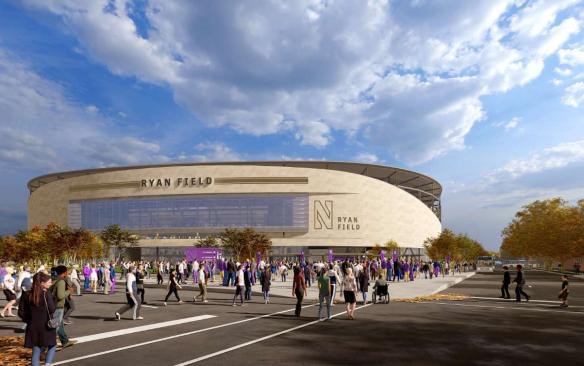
point(114, 236)
point(390, 246)
point(243, 244)
point(458, 247)
point(208, 242)
point(549, 230)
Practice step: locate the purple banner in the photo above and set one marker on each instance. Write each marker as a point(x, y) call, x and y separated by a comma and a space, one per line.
point(202, 253)
point(330, 256)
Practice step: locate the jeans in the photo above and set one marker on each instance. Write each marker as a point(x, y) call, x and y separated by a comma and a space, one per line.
point(519, 292)
point(266, 295)
point(36, 355)
point(505, 291)
point(364, 294)
point(86, 283)
point(133, 303)
point(322, 298)
point(247, 292)
point(61, 329)
point(299, 298)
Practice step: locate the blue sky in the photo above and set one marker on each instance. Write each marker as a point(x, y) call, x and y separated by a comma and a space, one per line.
point(485, 96)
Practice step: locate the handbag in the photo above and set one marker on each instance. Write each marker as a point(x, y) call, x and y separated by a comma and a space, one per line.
point(53, 323)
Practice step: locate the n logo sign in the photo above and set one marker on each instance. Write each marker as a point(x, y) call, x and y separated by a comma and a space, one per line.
point(323, 215)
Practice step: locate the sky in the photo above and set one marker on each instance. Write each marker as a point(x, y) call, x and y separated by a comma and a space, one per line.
point(486, 96)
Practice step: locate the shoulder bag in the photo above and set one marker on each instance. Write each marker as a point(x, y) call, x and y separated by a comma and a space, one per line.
point(53, 323)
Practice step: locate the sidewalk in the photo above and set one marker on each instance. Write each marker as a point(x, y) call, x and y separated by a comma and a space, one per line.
point(397, 290)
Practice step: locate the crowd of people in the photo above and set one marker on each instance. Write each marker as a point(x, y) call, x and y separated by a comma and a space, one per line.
point(45, 296)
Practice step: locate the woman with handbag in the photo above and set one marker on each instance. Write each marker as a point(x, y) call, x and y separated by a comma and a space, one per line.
point(36, 309)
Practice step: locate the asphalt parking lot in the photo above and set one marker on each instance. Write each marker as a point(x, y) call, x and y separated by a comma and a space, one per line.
point(481, 330)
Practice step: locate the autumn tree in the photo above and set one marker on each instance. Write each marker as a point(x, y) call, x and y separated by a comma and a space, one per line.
point(549, 230)
point(459, 247)
point(114, 236)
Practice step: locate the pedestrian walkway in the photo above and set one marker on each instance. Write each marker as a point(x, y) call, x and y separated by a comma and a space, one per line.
point(397, 290)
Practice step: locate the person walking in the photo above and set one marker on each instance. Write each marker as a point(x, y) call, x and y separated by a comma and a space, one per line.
point(349, 289)
point(563, 295)
point(107, 279)
point(298, 290)
point(239, 285)
point(520, 280)
point(201, 278)
point(112, 270)
point(61, 293)
point(324, 293)
point(333, 279)
point(364, 285)
point(9, 285)
point(172, 287)
point(93, 279)
point(86, 276)
point(283, 272)
point(266, 281)
point(141, 291)
point(247, 277)
point(36, 307)
point(132, 298)
point(75, 279)
point(506, 283)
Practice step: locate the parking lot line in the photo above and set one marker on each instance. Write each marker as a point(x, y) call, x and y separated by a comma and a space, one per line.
point(218, 353)
point(143, 328)
point(511, 300)
point(524, 308)
point(158, 340)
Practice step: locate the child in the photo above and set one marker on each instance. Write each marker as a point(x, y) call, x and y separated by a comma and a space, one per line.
point(563, 295)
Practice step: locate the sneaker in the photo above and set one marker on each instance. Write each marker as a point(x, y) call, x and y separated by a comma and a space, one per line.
point(164, 303)
point(118, 316)
point(194, 299)
point(233, 305)
point(69, 343)
point(139, 318)
point(205, 301)
point(181, 302)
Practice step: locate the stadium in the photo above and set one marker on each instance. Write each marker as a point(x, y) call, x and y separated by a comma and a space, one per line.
point(303, 206)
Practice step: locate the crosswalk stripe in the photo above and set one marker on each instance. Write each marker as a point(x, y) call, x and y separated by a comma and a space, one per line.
point(143, 328)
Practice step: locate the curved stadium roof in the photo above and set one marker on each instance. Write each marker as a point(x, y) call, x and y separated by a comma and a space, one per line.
point(426, 189)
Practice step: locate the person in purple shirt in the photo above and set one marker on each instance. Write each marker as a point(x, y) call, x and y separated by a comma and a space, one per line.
point(86, 274)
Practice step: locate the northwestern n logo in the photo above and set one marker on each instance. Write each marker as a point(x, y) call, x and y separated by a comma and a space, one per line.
point(323, 215)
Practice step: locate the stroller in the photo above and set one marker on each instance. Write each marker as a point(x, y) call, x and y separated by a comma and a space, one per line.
point(383, 293)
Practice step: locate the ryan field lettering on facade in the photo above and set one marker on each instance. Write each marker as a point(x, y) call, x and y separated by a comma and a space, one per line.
point(348, 223)
point(180, 182)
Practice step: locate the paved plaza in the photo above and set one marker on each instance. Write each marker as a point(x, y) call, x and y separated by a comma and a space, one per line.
point(480, 330)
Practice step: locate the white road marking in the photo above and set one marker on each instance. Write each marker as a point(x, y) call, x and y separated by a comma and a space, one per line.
point(511, 300)
point(172, 337)
point(505, 307)
point(143, 328)
point(214, 354)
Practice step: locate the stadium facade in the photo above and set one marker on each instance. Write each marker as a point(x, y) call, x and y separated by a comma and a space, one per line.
point(309, 206)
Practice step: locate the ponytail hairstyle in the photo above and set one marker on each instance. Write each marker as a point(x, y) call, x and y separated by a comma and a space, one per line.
point(37, 290)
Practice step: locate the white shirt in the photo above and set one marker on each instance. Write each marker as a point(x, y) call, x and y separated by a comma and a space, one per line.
point(74, 275)
point(196, 265)
point(201, 276)
point(130, 278)
point(9, 283)
point(240, 281)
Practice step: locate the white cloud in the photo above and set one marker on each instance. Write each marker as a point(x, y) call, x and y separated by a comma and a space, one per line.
point(509, 125)
point(554, 157)
point(557, 82)
point(42, 129)
point(574, 94)
point(365, 157)
point(213, 151)
point(395, 71)
point(572, 56)
point(563, 72)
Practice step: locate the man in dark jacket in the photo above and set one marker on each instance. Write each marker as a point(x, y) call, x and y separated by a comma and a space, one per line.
point(506, 283)
point(520, 280)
